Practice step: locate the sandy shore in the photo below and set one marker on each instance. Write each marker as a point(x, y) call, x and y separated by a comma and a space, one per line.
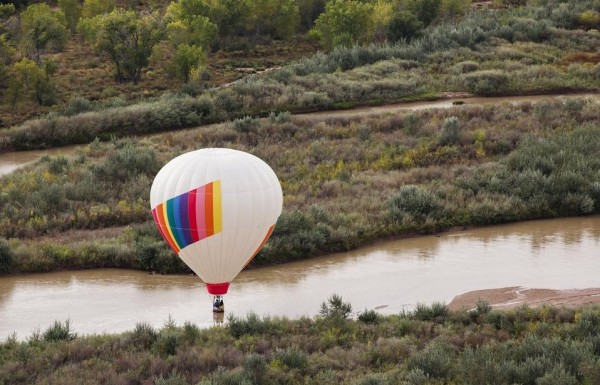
point(508, 297)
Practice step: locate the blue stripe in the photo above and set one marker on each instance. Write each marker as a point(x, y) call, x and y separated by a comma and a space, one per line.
point(185, 219)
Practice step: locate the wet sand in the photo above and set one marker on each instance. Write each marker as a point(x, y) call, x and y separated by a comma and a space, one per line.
point(510, 297)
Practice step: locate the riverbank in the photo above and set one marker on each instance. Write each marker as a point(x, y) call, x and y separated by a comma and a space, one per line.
point(431, 345)
point(511, 297)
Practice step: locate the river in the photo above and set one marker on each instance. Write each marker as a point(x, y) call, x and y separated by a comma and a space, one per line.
point(388, 276)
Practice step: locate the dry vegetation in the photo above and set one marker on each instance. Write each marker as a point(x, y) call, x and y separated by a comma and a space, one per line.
point(431, 345)
point(346, 182)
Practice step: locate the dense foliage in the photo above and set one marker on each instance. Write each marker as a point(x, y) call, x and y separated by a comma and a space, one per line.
point(346, 181)
point(430, 345)
point(524, 50)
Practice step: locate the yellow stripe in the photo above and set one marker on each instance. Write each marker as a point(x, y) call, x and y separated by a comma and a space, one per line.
point(164, 207)
point(217, 214)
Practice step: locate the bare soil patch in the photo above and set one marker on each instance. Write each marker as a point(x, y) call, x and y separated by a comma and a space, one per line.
point(510, 297)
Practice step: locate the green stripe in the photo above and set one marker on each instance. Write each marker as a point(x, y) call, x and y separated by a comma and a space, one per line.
point(173, 224)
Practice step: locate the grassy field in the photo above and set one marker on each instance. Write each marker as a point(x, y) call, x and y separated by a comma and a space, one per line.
point(431, 345)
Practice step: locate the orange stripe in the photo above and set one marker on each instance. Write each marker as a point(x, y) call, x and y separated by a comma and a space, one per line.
point(208, 210)
point(261, 244)
point(163, 224)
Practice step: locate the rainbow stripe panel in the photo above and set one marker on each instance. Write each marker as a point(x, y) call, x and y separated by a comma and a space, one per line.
point(190, 217)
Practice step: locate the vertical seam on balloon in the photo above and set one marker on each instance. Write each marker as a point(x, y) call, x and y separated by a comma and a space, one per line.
point(247, 243)
point(208, 190)
point(217, 215)
point(234, 225)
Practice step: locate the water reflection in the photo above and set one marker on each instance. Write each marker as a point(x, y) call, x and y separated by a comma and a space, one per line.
point(390, 276)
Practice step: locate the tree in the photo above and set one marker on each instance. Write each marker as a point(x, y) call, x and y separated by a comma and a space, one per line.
point(187, 59)
point(72, 11)
point(287, 20)
point(6, 10)
point(345, 22)
point(43, 29)
point(189, 23)
point(127, 39)
point(198, 31)
point(231, 16)
point(92, 8)
point(277, 18)
point(309, 12)
point(18, 4)
point(425, 10)
point(404, 25)
point(27, 76)
point(228, 16)
point(6, 54)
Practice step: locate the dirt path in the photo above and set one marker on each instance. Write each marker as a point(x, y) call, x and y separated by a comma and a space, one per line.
point(510, 297)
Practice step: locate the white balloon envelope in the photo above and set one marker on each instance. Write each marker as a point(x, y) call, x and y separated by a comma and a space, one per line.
point(216, 208)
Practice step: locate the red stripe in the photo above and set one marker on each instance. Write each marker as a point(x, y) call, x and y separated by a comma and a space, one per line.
point(192, 215)
point(208, 210)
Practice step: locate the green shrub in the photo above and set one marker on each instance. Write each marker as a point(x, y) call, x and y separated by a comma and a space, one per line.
point(590, 19)
point(487, 83)
point(59, 332)
point(77, 105)
point(404, 25)
point(412, 200)
point(335, 308)
point(167, 342)
point(369, 317)
point(173, 379)
point(245, 124)
point(466, 67)
point(291, 357)
point(436, 360)
point(436, 312)
point(255, 368)
point(143, 336)
point(450, 134)
point(252, 324)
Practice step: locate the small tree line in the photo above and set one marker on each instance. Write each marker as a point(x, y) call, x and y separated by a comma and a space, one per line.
point(186, 31)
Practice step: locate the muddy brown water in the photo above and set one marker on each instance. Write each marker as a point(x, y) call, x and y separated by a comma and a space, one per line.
point(389, 277)
point(13, 160)
point(10, 161)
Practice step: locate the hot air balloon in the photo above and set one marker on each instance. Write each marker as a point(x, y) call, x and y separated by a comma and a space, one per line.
point(216, 208)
